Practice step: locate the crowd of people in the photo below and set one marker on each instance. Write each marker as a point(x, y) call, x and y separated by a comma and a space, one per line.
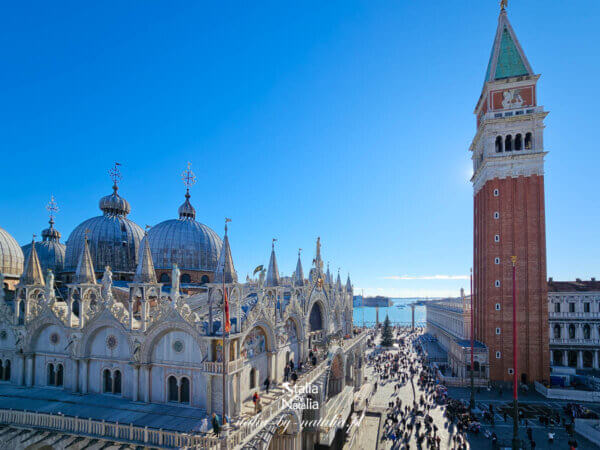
point(405, 366)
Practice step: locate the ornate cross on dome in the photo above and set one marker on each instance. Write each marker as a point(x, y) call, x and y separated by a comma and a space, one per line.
point(115, 175)
point(188, 177)
point(226, 220)
point(273, 243)
point(52, 208)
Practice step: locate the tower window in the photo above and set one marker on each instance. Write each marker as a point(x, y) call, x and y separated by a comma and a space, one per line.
point(496, 192)
point(497, 306)
point(498, 144)
point(511, 371)
point(496, 215)
point(497, 238)
point(528, 143)
point(497, 330)
point(518, 142)
point(497, 283)
point(557, 307)
point(496, 260)
point(498, 355)
point(508, 144)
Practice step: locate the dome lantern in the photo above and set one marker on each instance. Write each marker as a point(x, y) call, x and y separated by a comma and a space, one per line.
point(113, 239)
point(191, 245)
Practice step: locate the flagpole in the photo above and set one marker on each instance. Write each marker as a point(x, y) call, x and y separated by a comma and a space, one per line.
point(515, 443)
point(472, 404)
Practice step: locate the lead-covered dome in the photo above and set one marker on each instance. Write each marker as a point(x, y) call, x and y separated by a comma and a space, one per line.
point(113, 239)
point(51, 252)
point(184, 241)
point(11, 255)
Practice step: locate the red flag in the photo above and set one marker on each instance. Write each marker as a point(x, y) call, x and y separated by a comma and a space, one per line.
point(227, 321)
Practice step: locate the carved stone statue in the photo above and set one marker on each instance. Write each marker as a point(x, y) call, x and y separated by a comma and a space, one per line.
point(175, 276)
point(107, 279)
point(49, 288)
point(137, 351)
point(261, 278)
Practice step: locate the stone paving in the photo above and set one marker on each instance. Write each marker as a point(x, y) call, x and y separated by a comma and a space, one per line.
point(385, 394)
point(536, 404)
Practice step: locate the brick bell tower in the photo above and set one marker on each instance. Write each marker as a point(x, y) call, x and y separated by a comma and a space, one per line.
point(509, 214)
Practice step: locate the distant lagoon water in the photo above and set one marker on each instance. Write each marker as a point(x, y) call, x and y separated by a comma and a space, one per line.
point(395, 314)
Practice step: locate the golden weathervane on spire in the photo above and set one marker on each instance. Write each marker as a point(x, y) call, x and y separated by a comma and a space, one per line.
point(503, 4)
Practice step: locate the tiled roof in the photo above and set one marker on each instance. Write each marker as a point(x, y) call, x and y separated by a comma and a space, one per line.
point(573, 286)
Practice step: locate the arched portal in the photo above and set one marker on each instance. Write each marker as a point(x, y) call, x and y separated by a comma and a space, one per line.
point(316, 318)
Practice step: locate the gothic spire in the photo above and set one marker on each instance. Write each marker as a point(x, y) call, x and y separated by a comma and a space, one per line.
point(225, 272)
point(84, 274)
point(507, 58)
point(299, 273)
point(33, 270)
point(328, 278)
point(338, 282)
point(145, 272)
point(273, 270)
point(348, 284)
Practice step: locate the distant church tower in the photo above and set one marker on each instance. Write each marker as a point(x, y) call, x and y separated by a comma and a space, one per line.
point(509, 214)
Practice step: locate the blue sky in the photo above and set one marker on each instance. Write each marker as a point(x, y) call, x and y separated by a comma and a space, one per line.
point(340, 119)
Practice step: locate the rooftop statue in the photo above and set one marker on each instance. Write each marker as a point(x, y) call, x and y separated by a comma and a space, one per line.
point(175, 275)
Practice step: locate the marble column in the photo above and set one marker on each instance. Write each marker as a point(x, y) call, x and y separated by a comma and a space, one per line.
point(579, 359)
point(147, 386)
point(76, 376)
point(238, 388)
point(23, 370)
point(209, 406)
point(136, 383)
point(272, 362)
point(595, 359)
point(85, 381)
point(29, 370)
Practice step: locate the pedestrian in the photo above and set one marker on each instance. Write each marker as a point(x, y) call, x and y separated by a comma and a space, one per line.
point(255, 400)
point(267, 383)
point(215, 424)
point(286, 372)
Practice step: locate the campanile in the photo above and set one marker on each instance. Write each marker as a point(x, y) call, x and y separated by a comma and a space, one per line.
point(509, 214)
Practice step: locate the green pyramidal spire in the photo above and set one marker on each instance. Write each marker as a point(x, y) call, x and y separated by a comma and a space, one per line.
point(507, 58)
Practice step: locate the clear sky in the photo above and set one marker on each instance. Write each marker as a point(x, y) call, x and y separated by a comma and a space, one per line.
point(348, 120)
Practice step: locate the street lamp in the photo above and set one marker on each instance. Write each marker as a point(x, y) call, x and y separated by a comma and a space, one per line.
point(472, 404)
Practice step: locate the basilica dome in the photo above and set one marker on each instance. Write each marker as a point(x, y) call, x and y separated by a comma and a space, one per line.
point(189, 244)
point(113, 239)
point(11, 255)
point(51, 252)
